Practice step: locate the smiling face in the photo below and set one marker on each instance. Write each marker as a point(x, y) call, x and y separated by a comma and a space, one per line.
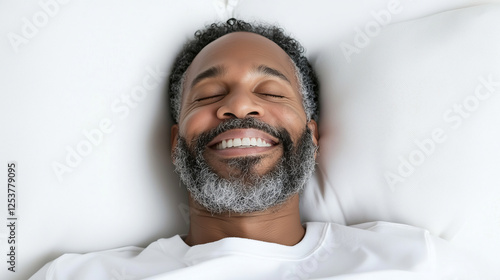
point(243, 142)
point(241, 75)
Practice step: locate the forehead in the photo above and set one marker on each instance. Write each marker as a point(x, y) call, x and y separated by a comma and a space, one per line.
point(241, 50)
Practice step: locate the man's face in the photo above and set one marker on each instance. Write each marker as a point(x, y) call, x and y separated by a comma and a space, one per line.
point(239, 76)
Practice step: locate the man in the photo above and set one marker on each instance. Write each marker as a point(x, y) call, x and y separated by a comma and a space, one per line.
point(244, 101)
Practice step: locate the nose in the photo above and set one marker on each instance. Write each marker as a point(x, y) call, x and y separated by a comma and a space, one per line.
point(240, 105)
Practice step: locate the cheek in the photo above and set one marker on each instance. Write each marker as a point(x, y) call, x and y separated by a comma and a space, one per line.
point(289, 117)
point(195, 122)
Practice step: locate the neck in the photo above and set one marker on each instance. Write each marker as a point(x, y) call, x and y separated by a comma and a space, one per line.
point(280, 224)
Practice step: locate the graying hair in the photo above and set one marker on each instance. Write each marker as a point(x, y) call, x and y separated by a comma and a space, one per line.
point(308, 83)
point(245, 191)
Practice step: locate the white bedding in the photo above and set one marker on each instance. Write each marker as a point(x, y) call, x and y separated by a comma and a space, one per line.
point(71, 68)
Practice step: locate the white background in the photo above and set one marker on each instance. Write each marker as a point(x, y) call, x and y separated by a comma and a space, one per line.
point(78, 65)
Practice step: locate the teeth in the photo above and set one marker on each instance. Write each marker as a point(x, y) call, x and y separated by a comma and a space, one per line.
point(245, 141)
point(242, 143)
point(259, 142)
point(236, 142)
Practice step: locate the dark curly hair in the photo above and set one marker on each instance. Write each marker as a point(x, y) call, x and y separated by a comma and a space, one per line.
point(305, 74)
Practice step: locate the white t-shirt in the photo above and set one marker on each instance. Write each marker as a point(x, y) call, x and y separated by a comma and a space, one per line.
point(377, 250)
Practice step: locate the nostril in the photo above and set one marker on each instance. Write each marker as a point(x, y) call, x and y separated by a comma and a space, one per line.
point(254, 113)
point(228, 114)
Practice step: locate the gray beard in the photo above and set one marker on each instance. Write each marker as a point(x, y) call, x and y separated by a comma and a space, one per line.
point(245, 191)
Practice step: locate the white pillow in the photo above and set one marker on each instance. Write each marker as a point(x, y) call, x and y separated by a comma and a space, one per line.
point(409, 127)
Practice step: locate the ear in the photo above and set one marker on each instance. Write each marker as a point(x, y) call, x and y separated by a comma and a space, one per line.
point(313, 126)
point(174, 133)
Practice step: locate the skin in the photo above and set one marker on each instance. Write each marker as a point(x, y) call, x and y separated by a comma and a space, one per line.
point(241, 89)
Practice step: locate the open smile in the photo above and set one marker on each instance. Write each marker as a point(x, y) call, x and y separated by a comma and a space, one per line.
point(245, 142)
point(252, 140)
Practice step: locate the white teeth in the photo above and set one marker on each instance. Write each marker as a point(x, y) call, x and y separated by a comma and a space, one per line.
point(259, 142)
point(245, 141)
point(242, 143)
point(253, 142)
point(236, 142)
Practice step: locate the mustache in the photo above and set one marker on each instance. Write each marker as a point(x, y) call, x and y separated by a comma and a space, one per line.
point(206, 137)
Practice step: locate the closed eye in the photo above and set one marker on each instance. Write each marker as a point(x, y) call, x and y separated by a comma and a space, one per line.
point(273, 95)
point(209, 97)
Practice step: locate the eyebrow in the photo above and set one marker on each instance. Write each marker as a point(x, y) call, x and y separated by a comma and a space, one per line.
point(268, 71)
point(217, 71)
point(211, 72)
